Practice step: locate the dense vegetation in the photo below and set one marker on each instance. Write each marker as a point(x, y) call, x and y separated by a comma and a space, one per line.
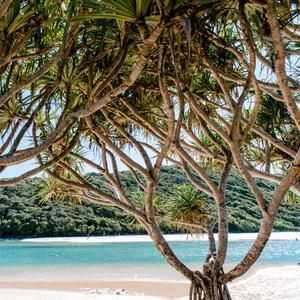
point(23, 215)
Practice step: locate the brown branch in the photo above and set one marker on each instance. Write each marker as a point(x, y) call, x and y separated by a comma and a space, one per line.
point(146, 50)
point(114, 181)
point(279, 58)
point(195, 182)
point(87, 186)
point(23, 84)
point(120, 153)
point(88, 162)
point(16, 180)
point(252, 65)
point(221, 83)
point(4, 7)
point(235, 150)
point(10, 137)
point(169, 106)
point(135, 176)
point(27, 154)
point(132, 140)
point(267, 223)
point(116, 66)
point(143, 123)
point(205, 117)
point(16, 47)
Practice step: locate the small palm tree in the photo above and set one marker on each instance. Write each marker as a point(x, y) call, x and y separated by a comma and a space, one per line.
point(190, 206)
point(54, 190)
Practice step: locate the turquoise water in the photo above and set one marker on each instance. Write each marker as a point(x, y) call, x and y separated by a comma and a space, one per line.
point(14, 254)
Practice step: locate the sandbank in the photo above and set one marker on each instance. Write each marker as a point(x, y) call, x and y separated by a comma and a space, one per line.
point(169, 237)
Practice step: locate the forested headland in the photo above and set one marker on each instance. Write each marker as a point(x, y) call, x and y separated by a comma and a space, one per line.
point(24, 214)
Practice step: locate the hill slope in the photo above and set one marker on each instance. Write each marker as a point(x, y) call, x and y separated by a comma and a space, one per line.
point(21, 215)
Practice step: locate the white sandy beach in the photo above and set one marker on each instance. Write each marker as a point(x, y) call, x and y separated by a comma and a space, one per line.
point(266, 284)
point(169, 237)
point(54, 295)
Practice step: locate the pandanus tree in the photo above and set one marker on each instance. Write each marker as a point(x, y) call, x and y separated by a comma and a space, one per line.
point(209, 86)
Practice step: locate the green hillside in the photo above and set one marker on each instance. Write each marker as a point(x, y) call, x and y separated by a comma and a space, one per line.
point(22, 214)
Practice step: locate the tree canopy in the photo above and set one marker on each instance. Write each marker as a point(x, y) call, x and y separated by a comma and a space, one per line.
point(204, 85)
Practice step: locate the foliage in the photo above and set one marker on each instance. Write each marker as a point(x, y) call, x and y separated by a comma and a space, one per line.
point(190, 205)
point(23, 214)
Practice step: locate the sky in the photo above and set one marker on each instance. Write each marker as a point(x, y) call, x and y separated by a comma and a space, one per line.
point(17, 170)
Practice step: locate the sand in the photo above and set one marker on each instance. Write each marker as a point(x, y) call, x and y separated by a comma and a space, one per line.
point(169, 237)
point(53, 295)
point(266, 284)
point(167, 290)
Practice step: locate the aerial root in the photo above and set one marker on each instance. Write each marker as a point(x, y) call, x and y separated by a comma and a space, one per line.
point(203, 289)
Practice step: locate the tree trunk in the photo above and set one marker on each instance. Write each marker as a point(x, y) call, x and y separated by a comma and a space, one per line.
point(204, 286)
point(209, 287)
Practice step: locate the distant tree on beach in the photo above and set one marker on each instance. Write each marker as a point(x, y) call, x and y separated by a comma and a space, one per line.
point(208, 86)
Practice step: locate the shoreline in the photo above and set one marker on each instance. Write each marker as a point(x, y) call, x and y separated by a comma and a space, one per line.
point(284, 236)
point(145, 282)
point(264, 284)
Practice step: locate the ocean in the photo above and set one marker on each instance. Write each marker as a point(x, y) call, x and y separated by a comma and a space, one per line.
point(35, 261)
